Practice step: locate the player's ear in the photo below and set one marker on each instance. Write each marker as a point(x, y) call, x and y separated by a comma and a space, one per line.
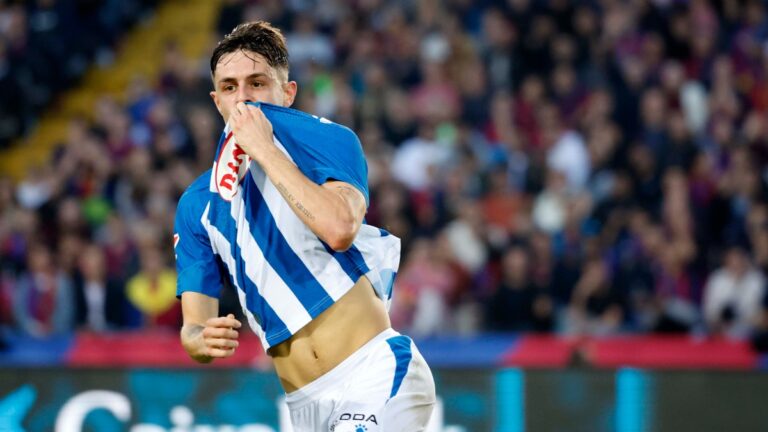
point(289, 90)
point(216, 101)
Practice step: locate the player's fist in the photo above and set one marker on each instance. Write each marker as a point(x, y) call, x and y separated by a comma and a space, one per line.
point(220, 336)
point(216, 339)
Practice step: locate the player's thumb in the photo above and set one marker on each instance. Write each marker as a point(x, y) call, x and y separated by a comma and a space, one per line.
point(237, 323)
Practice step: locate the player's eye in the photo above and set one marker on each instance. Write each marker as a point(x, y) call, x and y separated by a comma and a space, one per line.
point(228, 88)
point(257, 84)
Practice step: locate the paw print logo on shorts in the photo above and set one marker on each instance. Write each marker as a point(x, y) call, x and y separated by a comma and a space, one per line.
point(360, 428)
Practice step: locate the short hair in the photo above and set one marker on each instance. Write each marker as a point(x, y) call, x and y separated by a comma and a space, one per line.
point(256, 36)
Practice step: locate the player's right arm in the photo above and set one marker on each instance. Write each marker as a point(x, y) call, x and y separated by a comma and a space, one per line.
point(204, 335)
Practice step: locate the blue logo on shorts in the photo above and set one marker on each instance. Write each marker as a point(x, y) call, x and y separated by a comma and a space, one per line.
point(360, 428)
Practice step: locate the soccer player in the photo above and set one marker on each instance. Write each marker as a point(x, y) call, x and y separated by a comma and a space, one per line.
point(281, 216)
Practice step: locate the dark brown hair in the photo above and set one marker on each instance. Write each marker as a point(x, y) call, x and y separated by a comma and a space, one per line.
point(256, 36)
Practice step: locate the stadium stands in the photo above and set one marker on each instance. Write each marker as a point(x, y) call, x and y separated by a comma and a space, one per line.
point(576, 169)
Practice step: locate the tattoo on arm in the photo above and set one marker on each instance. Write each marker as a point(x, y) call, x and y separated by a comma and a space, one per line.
point(292, 200)
point(191, 331)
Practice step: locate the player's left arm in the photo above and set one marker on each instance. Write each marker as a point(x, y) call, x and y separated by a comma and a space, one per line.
point(333, 211)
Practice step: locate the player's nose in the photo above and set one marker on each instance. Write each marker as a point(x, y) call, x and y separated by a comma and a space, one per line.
point(243, 95)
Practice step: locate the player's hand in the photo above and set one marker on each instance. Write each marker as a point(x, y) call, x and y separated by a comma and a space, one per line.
point(252, 130)
point(220, 336)
point(216, 339)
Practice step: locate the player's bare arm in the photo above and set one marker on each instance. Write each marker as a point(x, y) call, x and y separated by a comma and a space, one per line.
point(204, 335)
point(333, 211)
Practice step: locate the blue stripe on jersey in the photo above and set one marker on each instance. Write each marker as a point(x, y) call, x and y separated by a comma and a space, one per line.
point(275, 328)
point(388, 279)
point(384, 233)
point(279, 254)
point(401, 348)
point(351, 261)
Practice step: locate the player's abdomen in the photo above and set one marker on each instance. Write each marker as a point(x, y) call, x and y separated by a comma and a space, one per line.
point(331, 337)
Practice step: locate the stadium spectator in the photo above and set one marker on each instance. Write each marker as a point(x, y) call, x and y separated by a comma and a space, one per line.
point(595, 307)
point(733, 295)
point(518, 304)
point(152, 292)
point(100, 302)
point(42, 301)
point(426, 283)
point(416, 162)
point(676, 289)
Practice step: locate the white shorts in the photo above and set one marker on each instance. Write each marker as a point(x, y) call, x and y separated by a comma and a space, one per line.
point(384, 386)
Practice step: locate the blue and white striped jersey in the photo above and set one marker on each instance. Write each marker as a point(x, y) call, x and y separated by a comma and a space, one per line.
point(233, 220)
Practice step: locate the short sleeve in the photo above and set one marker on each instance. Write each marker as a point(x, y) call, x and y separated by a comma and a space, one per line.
point(323, 150)
point(345, 163)
point(196, 263)
point(340, 157)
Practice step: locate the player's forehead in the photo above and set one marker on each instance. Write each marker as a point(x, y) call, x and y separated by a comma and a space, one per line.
point(242, 64)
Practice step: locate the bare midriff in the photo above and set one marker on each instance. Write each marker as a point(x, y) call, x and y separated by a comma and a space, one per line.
point(356, 318)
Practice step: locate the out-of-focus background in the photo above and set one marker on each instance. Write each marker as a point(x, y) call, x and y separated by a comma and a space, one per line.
point(581, 188)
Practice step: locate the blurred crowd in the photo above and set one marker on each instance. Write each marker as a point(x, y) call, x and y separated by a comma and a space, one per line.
point(47, 45)
point(586, 168)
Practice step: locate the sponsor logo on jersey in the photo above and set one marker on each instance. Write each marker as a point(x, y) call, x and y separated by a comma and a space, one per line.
point(231, 166)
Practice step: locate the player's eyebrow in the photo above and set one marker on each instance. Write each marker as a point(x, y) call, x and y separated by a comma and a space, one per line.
point(251, 76)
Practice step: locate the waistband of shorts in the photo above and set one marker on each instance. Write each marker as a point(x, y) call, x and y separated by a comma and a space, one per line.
point(337, 375)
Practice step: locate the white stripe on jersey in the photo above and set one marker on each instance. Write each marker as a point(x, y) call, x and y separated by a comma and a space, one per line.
point(217, 238)
point(258, 269)
point(369, 242)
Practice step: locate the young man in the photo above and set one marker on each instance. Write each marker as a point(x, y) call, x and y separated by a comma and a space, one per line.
point(281, 214)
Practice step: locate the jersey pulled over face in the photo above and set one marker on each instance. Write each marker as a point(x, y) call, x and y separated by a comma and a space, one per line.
point(243, 76)
point(285, 276)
